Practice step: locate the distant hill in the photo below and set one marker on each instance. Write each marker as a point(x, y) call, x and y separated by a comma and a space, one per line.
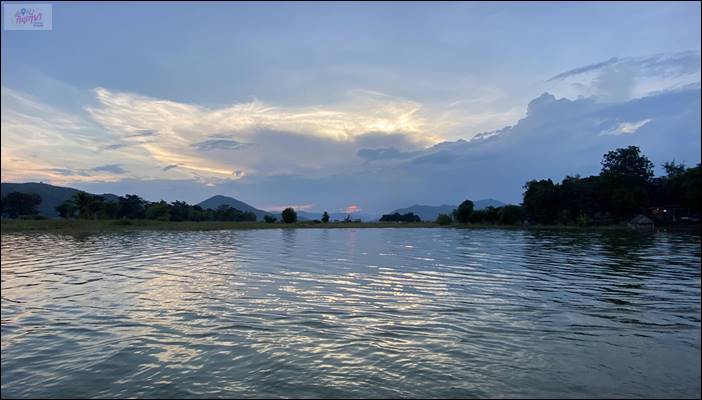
point(51, 196)
point(216, 201)
point(429, 213)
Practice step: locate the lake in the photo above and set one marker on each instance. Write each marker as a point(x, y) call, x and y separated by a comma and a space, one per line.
point(351, 313)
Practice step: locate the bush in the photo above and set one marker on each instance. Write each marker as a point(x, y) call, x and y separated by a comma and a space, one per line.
point(269, 219)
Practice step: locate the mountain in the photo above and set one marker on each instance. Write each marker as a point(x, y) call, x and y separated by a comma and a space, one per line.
point(51, 196)
point(429, 213)
point(218, 200)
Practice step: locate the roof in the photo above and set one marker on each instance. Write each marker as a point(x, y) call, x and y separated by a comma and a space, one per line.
point(641, 220)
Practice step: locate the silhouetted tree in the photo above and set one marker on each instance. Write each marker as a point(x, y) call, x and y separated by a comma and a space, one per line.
point(510, 214)
point(627, 163)
point(463, 212)
point(269, 219)
point(541, 201)
point(131, 206)
point(289, 216)
point(325, 217)
point(397, 217)
point(87, 204)
point(180, 211)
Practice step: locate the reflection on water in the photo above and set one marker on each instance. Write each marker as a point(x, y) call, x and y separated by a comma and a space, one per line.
point(351, 313)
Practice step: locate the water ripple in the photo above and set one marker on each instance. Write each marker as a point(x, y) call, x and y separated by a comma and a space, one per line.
point(351, 313)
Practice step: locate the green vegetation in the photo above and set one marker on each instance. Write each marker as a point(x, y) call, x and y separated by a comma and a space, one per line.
point(325, 217)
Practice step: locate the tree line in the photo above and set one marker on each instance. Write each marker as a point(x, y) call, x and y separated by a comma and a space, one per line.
point(397, 217)
point(88, 206)
point(625, 187)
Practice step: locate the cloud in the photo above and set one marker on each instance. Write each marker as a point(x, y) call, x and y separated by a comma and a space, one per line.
point(383, 153)
point(625, 128)
point(220, 144)
point(683, 63)
point(586, 68)
point(111, 168)
point(374, 170)
point(63, 171)
point(169, 167)
point(624, 78)
point(352, 208)
point(141, 133)
point(296, 207)
point(558, 137)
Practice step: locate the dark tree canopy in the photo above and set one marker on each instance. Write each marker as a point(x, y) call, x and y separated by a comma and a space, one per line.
point(627, 162)
point(131, 206)
point(463, 212)
point(289, 216)
point(624, 188)
point(17, 204)
point(397, 217)
point(325, 217)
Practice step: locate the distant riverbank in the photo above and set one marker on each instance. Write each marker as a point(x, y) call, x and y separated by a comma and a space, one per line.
point(85, 225)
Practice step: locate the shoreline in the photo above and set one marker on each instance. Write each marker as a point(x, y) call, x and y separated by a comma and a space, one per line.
point(82, 225)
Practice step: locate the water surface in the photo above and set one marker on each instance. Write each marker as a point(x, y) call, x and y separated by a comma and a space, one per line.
point(351, 313)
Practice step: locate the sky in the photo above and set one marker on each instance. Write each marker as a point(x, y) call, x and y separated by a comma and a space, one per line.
point(345, 106)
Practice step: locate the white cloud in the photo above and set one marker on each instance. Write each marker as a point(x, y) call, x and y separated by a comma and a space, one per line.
point(625, 78)
point(626, 128)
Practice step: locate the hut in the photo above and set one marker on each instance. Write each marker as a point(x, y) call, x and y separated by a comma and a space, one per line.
point(641, 222)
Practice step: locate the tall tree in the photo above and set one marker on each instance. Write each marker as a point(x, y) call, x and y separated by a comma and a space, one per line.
point(131, 206)
point(289, 215)
point(627, 162)
point(463, 212)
